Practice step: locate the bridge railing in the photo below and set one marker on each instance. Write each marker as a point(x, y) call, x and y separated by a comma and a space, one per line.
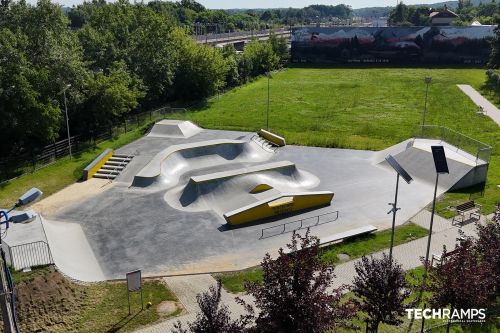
point(237, 34)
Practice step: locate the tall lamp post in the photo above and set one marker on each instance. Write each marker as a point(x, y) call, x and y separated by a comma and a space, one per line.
point(441, 168)
point(400, 172)
point(269, 77)
point(427, 82)
point(67, 118)
point(7, 299)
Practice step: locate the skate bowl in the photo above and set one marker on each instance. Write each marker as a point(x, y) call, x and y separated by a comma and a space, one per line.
point(167, 166)
point(228, 190)
point(174, 129)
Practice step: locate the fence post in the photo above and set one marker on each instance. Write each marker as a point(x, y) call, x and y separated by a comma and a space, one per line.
point(55, 151)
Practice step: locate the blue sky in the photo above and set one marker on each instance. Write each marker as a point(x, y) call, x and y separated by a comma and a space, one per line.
point(224, 4)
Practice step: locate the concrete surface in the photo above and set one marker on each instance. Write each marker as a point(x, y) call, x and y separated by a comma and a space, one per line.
point(129, 228)
point(490, 109)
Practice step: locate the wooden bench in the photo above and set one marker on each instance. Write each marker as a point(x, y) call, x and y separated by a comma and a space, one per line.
point(438, 258)
point(470, 208)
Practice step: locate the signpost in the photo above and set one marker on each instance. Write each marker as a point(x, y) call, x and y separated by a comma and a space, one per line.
point(134, 283)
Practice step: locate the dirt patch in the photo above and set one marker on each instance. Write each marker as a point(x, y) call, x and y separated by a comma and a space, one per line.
point(47, 302)
point(167, 308)
point(71, 195)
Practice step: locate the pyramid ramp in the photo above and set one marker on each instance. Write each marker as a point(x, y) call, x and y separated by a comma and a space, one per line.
point(174, 129)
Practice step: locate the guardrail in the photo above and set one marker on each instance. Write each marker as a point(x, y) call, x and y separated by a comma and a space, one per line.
point(479, 149)
point(29, 255)
point(211, 37)
point(302, 223)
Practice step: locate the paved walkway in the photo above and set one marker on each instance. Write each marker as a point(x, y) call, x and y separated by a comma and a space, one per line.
point(490, 109)
point(408, 255)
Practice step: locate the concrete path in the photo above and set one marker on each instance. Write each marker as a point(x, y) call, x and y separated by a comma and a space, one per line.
point(408, 255)
point(490, 109)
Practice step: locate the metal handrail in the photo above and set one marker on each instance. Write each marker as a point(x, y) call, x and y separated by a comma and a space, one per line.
point(283, 225)
point(456, 139)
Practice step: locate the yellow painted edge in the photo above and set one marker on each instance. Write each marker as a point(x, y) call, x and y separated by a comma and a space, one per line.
point(272, 138)
point(96, 167)
point(261, 188)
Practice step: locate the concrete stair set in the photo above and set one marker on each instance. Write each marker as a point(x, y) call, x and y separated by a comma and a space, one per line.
point(112, 168)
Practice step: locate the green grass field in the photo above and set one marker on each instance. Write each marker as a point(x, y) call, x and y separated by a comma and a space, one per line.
point(62, 173)
point(357, 108)
point(354, 247)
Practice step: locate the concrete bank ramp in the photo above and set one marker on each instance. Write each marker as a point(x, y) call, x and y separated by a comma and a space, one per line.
point(71, 251)
point(168, 165)
point(229, 190)
point(417, 160)
point(174, 129)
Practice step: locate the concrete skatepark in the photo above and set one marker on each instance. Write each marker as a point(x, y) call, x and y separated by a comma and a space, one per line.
point(165, 213)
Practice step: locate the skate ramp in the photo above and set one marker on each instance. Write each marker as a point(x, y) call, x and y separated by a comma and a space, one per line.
point(167, 166)
point(417, 160)
point(174, 129)
point(71, 252)
point(229, 190)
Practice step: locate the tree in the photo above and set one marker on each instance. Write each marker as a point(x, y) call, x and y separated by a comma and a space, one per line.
point(463, 280)
point(200, 69)
point(214, 316)
point(381, 288)
point(109, 96)
point(295, 294)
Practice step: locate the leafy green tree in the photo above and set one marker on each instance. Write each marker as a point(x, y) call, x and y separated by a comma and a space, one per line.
point(109, 96)
point(200, 70)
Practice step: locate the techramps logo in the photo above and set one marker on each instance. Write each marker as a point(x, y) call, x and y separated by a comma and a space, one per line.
point(451, 315)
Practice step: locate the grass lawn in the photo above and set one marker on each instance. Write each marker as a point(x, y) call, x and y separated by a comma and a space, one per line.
point(354, 248)
point(49, 302)
point(357, 108)
point(62, 173)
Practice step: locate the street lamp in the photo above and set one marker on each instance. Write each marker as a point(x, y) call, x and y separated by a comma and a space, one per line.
point(269, 77)
point(400, 172)
point(427, 82)
point(67, 118)
point(441, 168)
point(7, 305)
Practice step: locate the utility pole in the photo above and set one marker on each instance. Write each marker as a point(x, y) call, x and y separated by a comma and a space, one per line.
point(67, 118)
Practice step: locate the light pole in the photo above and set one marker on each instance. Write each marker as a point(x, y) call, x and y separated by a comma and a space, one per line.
point(7, 297)
point(67, 118)
point(400, 172)
point(269, 77)
point(441, 168)
point(427, 82)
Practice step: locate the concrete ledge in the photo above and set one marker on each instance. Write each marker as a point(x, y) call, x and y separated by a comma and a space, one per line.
point(347, 234)
point(96, 164)
point(243, 171)
point(273, 138)
point(278, 205)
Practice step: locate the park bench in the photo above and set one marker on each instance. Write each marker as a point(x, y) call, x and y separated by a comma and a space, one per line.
point(438, 258)
point(471, 208)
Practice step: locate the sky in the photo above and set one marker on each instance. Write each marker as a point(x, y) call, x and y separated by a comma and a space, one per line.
point(227, 4)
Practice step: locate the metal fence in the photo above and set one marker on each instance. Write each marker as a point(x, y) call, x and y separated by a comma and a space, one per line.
point(478, 149)
point(29, 255)
point(299, 224)
point(16, 166)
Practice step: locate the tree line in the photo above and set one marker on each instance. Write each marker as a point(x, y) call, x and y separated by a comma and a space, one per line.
point(112, 59)
point(297, 295)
